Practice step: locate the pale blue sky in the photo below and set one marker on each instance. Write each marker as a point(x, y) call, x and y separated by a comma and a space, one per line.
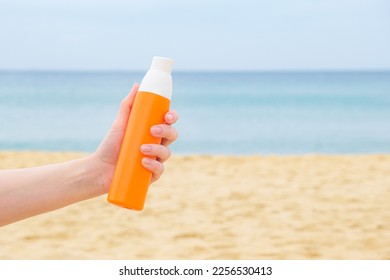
point(199, 35)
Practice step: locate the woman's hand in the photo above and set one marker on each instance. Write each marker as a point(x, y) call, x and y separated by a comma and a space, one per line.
point(31, 191)
point(106, 156)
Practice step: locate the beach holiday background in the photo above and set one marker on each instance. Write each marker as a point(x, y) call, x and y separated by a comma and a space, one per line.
point(274, 161)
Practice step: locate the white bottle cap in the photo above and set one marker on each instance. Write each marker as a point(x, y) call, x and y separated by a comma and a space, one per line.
point(158, 79)
point(162, 63)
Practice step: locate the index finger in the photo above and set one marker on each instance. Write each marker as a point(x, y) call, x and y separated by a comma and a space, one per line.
point(171, 117)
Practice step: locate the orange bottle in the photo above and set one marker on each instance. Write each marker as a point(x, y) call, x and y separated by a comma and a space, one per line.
point(131, 180)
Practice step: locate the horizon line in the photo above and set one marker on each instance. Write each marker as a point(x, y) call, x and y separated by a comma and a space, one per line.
point(319, 70)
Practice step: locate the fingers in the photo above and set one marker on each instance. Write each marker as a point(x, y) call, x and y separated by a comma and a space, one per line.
point(161, 152)
point(156, 167)
point(168, 133)
point(125, 109)
point(171, 117)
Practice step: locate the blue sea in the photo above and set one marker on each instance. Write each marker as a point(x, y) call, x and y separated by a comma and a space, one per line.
point(220, 113)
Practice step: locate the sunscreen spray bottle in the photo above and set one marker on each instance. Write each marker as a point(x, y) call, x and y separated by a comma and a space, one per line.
point(131, 180)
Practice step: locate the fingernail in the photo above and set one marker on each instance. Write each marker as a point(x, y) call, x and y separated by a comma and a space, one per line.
point(147, 161)
point(156, 130)
point(170, 117)
point(146, 148)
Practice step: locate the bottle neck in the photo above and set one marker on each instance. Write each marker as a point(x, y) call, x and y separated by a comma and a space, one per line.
point(157, 82)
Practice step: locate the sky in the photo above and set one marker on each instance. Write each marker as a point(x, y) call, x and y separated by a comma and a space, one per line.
point(199, 35)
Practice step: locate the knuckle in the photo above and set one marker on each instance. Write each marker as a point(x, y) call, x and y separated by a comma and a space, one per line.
point(175, 134)
point(161, 168)
point(169, 153)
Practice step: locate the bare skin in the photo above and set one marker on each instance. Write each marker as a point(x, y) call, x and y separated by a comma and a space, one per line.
point(32, 191)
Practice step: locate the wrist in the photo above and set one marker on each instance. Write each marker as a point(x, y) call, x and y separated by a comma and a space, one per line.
point(98, 174)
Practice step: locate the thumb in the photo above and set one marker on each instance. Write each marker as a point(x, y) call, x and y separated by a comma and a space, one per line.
point(125, 109)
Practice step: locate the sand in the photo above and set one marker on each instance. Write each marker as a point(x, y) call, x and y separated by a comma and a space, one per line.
point(222, 207)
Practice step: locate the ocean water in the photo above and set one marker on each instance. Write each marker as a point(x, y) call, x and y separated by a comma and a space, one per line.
point(220, 113)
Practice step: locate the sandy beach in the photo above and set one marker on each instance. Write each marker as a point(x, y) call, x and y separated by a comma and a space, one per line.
point(222, 207)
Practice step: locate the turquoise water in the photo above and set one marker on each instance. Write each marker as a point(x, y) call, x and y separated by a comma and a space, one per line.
point(233, 113)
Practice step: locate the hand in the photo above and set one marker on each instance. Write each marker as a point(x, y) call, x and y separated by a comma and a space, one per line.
point(106, 155)
point(31, 191)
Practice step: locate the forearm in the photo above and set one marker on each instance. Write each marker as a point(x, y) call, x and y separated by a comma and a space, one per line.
point(31, 191)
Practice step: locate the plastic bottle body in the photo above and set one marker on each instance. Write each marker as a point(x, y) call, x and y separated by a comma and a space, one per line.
point(131, 180)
